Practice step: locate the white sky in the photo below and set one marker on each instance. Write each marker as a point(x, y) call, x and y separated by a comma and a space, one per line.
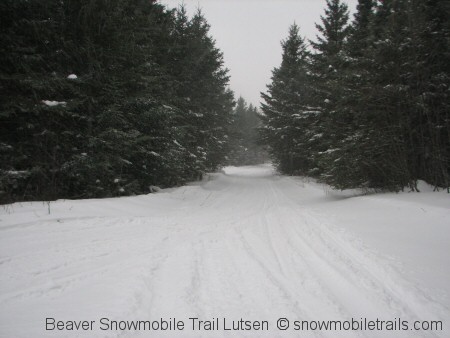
point(249, 32)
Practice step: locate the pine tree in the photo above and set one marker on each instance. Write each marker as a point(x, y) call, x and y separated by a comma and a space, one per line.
point(389, 142)
point(387, 117)
point(244, 142)
point(379, 90)
point(430, 82)
point(344, 167)
point(201, 89)
point(91, 107)
point(330, 62)
point(360, 29)
point(38, 125)
point(330, 43)
point(287, 108)
point(113, 52)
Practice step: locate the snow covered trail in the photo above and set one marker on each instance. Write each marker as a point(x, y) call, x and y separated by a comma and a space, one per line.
point(245, 244)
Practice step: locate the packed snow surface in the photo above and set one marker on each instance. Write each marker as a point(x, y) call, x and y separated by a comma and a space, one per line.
point(244, 244)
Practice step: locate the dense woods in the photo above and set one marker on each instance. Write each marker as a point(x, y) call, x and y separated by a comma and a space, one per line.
point(245, 146)
point(107, 98)
point(114, 97)
point(367, 106)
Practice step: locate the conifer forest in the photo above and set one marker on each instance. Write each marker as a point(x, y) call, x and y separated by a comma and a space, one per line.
point(224, 168)
point(368, 106)
point(104, 98)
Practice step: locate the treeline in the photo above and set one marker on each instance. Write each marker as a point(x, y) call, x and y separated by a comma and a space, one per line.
point(369, 105)
point(106, 98)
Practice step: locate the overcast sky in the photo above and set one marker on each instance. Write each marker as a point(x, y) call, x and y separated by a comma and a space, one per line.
point(249, 33)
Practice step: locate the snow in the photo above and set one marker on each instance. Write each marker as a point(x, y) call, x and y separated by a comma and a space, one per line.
point(54, 103)
point(243, 243)
point(328, 151)
point(316, 136)
point(17, 172)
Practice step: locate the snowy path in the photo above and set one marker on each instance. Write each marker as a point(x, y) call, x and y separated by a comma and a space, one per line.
point(246, 244)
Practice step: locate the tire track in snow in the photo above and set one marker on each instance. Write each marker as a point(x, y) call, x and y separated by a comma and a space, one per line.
point(238, 246)
point(357, 268)
point(322, 265)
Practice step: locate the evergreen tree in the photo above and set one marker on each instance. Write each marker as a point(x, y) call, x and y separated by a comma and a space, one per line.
point(287, 107)
point(330, 63)
point(345, 166)
point(388, 143)
point(201, 88)
point(430, 83)
point(360, 29)
point(387, 116)
point(38, 126)
point(379, 90)
point(91, 106)
point(245, 147)
point(334, 30)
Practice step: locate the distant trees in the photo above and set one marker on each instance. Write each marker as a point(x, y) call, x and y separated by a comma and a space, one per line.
point(106, 98)
point(244, 138)
point(380, 89)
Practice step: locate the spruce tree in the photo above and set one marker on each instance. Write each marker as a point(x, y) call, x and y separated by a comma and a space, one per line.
point(387, 116)
point(201, 89)
point(92, 107)
point(345, 166)
point(287, 108)
point(244, 142)
point(430, 82)
point(38, 125)
point(330, 62)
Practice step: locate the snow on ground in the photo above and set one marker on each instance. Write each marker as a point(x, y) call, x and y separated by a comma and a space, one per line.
point(54, 103)
point(246, 243)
